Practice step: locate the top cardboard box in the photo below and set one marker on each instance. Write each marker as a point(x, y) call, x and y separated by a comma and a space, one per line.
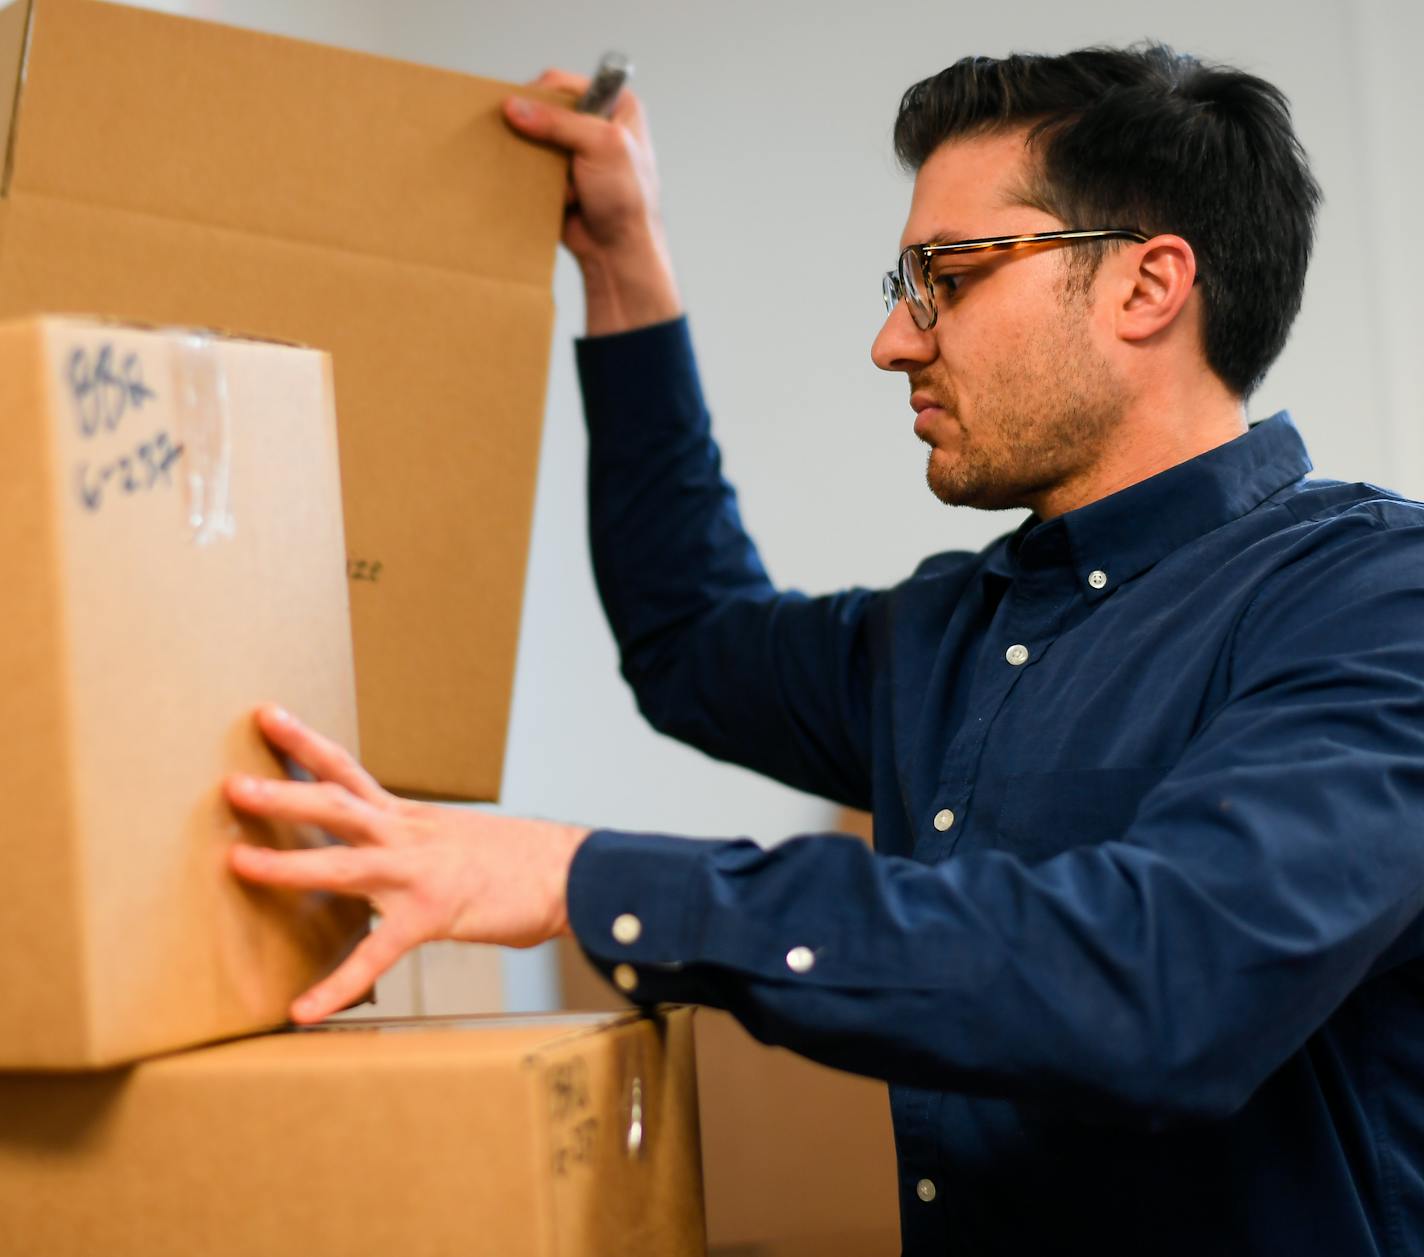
point(171, 510)
point(180, 172)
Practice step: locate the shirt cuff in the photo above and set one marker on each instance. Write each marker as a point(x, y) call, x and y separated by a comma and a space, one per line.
point(632, 906)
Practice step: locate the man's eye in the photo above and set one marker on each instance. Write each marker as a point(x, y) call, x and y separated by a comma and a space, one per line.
point(947, 284)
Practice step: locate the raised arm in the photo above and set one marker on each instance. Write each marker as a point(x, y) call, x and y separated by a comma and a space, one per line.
point(715, 655)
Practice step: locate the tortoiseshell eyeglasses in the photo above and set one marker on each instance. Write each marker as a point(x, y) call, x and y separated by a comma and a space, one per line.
point(913, 282)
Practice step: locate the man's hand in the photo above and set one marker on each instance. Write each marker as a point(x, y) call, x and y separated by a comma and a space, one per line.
point(430, 871)
point(611, 221)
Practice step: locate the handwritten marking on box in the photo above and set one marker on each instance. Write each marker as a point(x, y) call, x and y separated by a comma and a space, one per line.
point(575, 1128)
point(105, 389)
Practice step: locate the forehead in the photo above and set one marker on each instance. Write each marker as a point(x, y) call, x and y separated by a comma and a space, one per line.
point(969, 188)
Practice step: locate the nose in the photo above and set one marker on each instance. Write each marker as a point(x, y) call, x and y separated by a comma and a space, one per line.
point(900, 345)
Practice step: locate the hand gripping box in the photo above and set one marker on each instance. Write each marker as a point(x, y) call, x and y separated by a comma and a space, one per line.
point(549, 1136)
point(182, 172)
point(171, 516)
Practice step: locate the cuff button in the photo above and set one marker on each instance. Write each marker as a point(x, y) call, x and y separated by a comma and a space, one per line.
point(800, 959)
point(627, 929)
point(625, 978)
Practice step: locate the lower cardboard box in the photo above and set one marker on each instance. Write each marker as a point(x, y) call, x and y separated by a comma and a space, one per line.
point(548, 1136)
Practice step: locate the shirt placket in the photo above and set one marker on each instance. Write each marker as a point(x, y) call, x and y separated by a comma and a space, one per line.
point(915, 1112)
point(1024, 625)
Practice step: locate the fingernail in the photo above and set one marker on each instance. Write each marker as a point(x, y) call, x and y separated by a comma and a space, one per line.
point(253, 787)
point(304, 1007)
point(279, 715)
point(522, 109)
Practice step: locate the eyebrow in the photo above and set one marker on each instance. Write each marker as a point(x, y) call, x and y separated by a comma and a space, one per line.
point(939, 237)
point(946, 237)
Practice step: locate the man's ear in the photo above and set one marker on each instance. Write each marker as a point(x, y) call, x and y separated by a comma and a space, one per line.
point(1156, 288)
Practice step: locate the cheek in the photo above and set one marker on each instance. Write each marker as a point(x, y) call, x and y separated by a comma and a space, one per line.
point(1021, 338)
point(980, 348)
point(1019, 323)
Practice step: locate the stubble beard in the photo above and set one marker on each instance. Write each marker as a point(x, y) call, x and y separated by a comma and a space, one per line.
point(1042, 418)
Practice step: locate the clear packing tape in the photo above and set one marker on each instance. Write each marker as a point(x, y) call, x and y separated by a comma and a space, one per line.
point(204, 419)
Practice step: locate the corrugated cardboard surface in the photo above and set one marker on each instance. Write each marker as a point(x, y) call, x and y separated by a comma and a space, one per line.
point(484, 1138)
point(799, 1160)
point(380, 210)
point(12, 44)
point(42, 966)
point(131, 656)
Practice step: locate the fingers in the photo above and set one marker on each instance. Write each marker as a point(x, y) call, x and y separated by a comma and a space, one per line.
point(375, 954)
point(579, 133)
point(342, 871)
point(337, 870)
point(627, 110)
point(562, 81)
point(326, 805)
point(324, 759)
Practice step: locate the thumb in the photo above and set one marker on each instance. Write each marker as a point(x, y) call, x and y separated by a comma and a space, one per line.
point(579, 133)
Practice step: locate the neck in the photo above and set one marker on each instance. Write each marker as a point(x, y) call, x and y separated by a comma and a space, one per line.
point(1153, 434)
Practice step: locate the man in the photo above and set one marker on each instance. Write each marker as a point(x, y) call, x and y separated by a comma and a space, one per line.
point(1139, 948)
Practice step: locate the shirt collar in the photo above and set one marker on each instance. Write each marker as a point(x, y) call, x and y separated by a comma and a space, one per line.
point(1120, 536)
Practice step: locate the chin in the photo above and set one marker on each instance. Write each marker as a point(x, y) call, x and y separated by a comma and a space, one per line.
point(945, 479)
point(955, 482)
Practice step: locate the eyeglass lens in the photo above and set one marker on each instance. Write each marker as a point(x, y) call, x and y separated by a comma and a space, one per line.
point(915, 288)
point(890, 290)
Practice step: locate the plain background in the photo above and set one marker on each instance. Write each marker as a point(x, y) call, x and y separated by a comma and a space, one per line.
point(784, 204)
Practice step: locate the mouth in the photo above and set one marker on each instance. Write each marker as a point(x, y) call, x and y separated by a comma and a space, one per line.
point(927, 413)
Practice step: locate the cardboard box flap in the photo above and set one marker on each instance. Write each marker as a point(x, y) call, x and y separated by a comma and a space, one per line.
point(470, 1041)
point(215, 125)
point(572, 1022)
point(194, 331)
point(14, 27)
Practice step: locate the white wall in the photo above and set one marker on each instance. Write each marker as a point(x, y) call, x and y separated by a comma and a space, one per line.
point(772, 122)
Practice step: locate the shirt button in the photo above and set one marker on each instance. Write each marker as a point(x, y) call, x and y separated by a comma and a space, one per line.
point(925, 1190)
point(943, 820)
point(625, 978)
point(1016, 654)
point(800, 959)
point(627, 928)
point(1097, 579)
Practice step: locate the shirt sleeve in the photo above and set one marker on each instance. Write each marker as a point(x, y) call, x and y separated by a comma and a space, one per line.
point(775, 681)
point(1159, 977)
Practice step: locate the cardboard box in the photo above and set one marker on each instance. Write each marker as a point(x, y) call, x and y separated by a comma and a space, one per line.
point(181, 172)
point(170, 506)
point(525, 1137)
point(799, 1160)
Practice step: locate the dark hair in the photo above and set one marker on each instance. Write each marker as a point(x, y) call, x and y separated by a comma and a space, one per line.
point(1150, 139)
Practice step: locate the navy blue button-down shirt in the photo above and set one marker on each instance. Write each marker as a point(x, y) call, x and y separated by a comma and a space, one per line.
point(1139, 947)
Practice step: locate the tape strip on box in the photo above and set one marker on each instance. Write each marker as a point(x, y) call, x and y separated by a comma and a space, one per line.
point(200, 394)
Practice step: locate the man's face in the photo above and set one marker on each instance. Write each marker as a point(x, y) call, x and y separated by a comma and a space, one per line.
point(1013, 393)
